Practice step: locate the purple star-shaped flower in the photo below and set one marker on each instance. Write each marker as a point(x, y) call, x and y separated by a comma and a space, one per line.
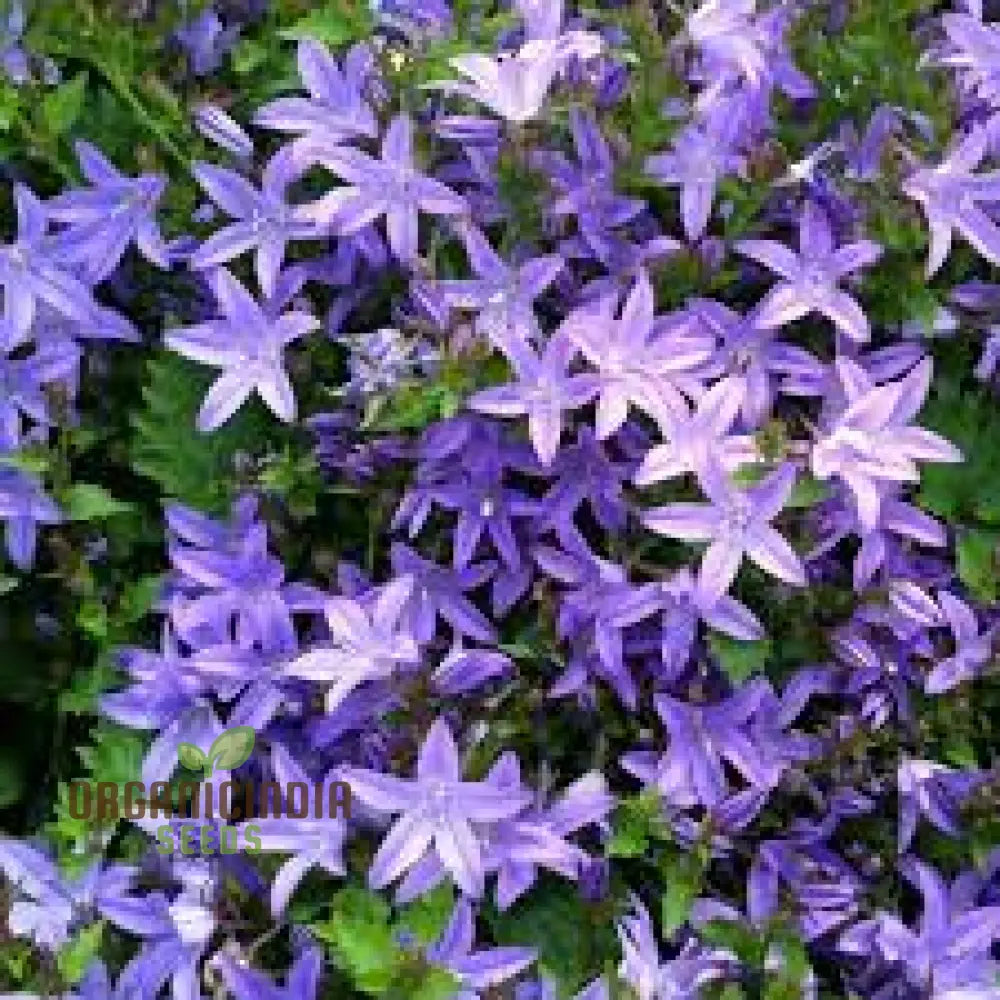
point(543, 392)
point(702, 154)
point(244, 983)
point(691, 772)
point(737, 523)
point(24, 506)
point(695, 438)
point(950, 194)
point(948, 955)
point(366, 643)
point(264, 220)
point(248, 346)
point(335, 109)
point(438, 808)
point(106, 217)
point(475, 970)
point(390, 186)
point(929, 789)
point(502, 294)
point(973, 648)
point(30, 274)
point(811, 276)
point(634, 361)
point(440, 591)
point(871, 442)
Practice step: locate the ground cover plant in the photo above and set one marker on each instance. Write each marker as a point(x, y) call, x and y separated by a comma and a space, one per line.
point(564, 434)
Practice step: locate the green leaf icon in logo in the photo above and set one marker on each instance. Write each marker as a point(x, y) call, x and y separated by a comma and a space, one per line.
point(230, 749)
point(191, 757)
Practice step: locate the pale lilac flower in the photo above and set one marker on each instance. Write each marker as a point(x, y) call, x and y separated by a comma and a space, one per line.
point(811, 276)
point(542, 18)
point(335, 109)
point(390, 186)
point(30, 273)
point(872, 441)
point(973, 51)
point(311, 842)
point(702, 154)
point(543, 392)
point(47, 907)
point(475, 970)
point(519, 847)
point(106, 217)
point(948, 955)
point(737, 523)
point(698, 436)
point(263, 220)
point(587, 189)
point(439, 591)
point(248, 346)
point(681, 978)
point(438, 809)
point(366, 643)
point(973, 647)
point(950, 194)
point(501, 294)
point(634, 365)
point(514, 87)
point(935, 791)
point(702, 737)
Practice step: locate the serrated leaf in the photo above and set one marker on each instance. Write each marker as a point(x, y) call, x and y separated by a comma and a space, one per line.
point(62, 106)
point(361, 939)
point(195, 468)
point(427, 917)
point(231, 748)
point(637, 821)
point(90, 502)
point(335, 23)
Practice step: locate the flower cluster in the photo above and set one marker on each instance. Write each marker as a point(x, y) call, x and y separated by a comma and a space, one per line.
point(619, 448)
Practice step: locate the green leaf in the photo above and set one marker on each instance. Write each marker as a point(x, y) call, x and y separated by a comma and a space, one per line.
point(977, 563)
point(335, 23)
point(61, 107)
point(428, 983)
point(427, 917)
point(807, 492)
point(740, 658)
point(7, 584)
point(683, 876)
point(11, 780)
point(573, 938)
point(90, 502)
point(192, 757)
point(195, 468)
point(231, 748)
point(637, 821)
point(361, 939)
point(76, 955)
